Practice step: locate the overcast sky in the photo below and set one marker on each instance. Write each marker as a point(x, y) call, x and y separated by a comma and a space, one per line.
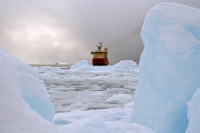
point(50, 31)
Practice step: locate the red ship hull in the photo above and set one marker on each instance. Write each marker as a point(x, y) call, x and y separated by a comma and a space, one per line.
point(100, 61)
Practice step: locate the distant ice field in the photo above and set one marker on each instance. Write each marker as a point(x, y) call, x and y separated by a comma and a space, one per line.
point(72, 90)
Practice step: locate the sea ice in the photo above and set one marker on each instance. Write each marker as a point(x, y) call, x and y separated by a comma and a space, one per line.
point(169, 69)
point(85, 90)
point(24, 99)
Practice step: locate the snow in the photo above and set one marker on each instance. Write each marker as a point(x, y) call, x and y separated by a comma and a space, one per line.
point(24, 101)
point(122, 66)
point(120, 98)
point(169, 69)
point(194, 113)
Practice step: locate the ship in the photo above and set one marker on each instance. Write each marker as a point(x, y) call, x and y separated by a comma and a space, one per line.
point(100, 58)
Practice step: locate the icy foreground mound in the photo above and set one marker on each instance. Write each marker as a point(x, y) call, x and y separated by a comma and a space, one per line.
point(115, 120)
point(122, 66)
point(135, 128)
point(23, 98)
point(169, 69)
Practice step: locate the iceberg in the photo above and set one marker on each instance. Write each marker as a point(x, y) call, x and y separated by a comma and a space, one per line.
point(169, 68)
point(122, 66)
point(25, 105)
point(120, 98)
point(82, 65)
point(194, 113)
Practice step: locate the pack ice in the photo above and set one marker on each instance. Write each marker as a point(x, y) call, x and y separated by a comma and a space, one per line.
point(122, 66)
point(169, 70)
point(24, 100)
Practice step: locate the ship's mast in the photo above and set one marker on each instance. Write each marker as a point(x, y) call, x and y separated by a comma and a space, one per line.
point(99, 46)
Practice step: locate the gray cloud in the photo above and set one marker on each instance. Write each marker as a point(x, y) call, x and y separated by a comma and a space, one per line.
point(49, 31)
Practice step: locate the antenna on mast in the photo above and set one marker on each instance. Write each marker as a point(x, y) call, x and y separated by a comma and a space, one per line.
point(99, 46)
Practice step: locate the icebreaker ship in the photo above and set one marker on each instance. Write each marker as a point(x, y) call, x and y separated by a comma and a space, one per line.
point(169, 68)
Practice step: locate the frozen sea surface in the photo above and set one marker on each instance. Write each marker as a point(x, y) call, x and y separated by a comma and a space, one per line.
point(72, 90)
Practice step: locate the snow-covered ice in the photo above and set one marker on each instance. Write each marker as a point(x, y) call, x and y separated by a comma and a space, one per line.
point(24, 100)
point(169, 69)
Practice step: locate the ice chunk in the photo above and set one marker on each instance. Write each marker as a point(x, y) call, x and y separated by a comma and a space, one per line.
point(122, 66)
point(129, 105)
point(194, 113)
point(120, 98)
point(169, 67)
point(81, 65)
point(23, 98)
